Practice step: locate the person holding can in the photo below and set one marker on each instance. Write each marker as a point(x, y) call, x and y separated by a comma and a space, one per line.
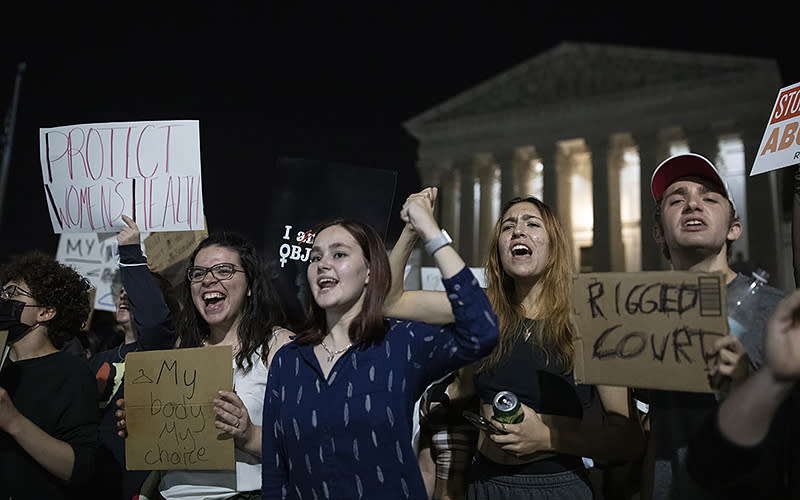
point(338, 410)
point(529, 274)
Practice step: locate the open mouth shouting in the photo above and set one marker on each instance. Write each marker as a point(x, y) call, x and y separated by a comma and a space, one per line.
point(693, 224)
point(520, 250)
point(324, 284)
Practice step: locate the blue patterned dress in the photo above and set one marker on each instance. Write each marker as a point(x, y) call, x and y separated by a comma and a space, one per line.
point(349, 436)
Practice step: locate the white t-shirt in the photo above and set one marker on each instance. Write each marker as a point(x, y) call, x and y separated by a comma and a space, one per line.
point(220, 484)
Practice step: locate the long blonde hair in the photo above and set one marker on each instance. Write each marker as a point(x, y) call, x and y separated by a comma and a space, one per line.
point(553, 332)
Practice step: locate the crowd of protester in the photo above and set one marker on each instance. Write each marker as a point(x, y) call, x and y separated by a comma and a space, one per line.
point(330, 410)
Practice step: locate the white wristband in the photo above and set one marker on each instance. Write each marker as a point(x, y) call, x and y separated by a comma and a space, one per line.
point(440, 241)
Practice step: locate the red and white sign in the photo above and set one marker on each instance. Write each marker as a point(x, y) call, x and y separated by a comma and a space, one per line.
point(780, 146)
point(149, 171)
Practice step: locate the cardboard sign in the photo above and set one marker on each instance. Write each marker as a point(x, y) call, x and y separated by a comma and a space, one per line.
point(648, 329)
point(96, 172)
point(93, 257)
point(780, 146)
point(167, 252)
point(170, 410)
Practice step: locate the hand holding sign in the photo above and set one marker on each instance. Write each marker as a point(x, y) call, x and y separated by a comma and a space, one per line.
point(232, 417)
point(170, 412)
point(122, 428)
point(129, 234)
point(649, 329)
point(729, 365)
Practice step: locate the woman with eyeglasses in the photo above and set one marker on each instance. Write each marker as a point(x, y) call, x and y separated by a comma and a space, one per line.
point(228, 300)
point(48, 421)
point(340, 398)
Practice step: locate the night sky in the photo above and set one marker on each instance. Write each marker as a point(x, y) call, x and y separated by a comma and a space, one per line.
point(295, 79)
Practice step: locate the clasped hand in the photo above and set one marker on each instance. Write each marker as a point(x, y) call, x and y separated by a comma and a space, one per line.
point(417, 213)
point(232, 416)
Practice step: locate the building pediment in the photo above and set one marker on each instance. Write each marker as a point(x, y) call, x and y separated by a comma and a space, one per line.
point(573, 73)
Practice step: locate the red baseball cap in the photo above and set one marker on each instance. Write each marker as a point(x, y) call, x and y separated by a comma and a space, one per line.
point(687, 165)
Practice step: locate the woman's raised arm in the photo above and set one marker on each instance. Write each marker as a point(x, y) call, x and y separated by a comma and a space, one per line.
point(420, 305)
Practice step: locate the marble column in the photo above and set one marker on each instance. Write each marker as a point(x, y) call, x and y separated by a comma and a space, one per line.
point(522, 171)
point(488, 178)
point(508, 162)
point(448, 200)
point(735, 172)
point(649, 158)
point(766, 248)
point(563, 182)
point(547, 155)
point(466, 236)
point(601, 234)
point(703, 141)
point(616, 161)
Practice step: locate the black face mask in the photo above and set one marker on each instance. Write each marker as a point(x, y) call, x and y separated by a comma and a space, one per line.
point(11, 319)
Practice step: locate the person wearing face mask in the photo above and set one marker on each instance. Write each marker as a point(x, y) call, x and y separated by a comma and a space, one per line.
point(145, 308)
point(48, 421)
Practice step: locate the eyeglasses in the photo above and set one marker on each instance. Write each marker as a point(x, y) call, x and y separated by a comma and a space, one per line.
point(12, 291)
point(223, 271)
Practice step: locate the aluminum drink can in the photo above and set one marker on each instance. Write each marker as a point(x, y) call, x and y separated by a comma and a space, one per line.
point(507, 408)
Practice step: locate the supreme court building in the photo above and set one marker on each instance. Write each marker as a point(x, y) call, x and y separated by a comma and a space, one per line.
point(582, 126)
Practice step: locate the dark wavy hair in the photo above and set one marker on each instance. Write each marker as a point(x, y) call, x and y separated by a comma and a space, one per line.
point(260, 314)
point(369, 327)
point(53, 284)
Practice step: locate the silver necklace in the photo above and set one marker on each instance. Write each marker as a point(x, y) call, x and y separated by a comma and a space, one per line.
point(333, 354)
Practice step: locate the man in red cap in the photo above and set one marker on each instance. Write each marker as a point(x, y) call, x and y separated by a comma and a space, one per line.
point(696, 225)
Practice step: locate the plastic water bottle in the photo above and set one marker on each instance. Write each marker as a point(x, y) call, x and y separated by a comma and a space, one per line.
point(742, 307)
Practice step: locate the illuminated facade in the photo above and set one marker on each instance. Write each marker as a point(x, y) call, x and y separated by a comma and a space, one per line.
point(583, 126)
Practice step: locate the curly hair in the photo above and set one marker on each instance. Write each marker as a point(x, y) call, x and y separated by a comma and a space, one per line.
point(260, 314)
point(55, 285)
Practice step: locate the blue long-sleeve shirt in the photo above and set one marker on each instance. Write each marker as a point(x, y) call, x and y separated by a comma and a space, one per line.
point(349, 436)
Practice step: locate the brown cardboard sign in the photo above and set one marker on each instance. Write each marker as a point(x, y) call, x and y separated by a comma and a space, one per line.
point(647, 329)
point(169, 404)
point(167, 249)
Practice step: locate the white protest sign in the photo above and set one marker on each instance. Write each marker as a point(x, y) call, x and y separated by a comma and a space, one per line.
point(780, 146)
point(149, 171)
point(93, 258)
